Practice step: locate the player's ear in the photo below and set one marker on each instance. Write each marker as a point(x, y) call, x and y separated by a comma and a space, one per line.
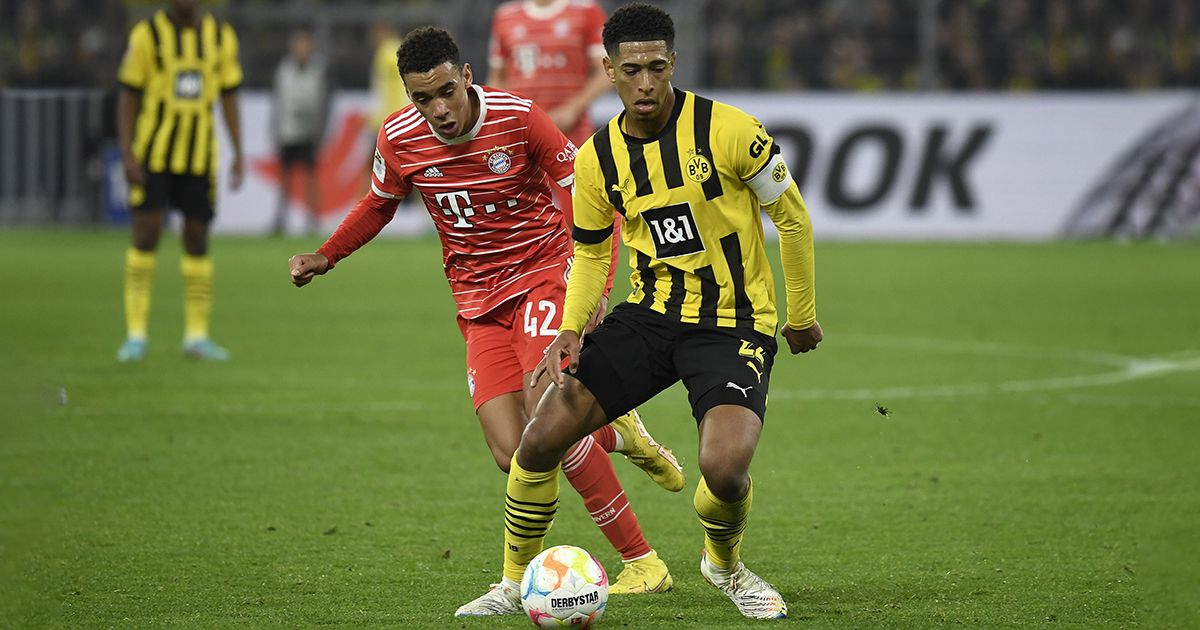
point(609, 70)
point(466, 74)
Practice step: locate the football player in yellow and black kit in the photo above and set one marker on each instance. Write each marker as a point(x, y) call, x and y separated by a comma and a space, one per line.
point(178, 62)
point(690, 176)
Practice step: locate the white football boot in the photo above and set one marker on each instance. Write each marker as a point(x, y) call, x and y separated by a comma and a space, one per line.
point(503, 599)
point(752, 595)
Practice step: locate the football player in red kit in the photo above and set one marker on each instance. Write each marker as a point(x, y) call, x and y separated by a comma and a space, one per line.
point(485, 163)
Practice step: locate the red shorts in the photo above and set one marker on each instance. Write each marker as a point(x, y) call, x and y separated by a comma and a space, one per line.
point(507, 343)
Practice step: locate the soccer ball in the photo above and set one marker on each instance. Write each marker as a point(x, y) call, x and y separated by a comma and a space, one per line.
point(564, 586)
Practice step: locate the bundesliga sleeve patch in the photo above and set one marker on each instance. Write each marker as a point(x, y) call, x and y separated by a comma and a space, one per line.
point(377, 166)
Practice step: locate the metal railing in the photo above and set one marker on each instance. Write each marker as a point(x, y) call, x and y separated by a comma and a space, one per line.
point(52, 146)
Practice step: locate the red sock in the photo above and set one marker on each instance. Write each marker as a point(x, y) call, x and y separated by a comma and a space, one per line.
point(606, 437)
point(590, 472)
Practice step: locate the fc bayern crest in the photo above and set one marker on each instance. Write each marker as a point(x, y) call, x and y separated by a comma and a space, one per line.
point(499, 161)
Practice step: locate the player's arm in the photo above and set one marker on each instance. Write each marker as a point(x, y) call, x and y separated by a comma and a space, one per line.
point(496, 71)
point(364, 222)
point(762, 167)
point(568, 115)
point(791, 218)
point(273, 119)
point(556, 155)
point(133, 75)
point(230, 81)
point(593, 235)
point(497, 54)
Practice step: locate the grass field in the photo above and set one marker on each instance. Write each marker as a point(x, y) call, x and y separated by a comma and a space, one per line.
point(1039, 464)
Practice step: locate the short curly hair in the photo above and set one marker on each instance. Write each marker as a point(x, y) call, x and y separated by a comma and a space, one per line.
point(426, 48)
point(638, 22)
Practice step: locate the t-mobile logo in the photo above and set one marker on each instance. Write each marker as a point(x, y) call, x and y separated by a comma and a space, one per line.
point(457, 204)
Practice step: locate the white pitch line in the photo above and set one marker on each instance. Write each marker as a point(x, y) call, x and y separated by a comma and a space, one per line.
point(1129, 369)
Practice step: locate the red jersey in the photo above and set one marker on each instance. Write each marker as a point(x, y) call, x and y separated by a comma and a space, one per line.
point(547, 52)
point(487, 191)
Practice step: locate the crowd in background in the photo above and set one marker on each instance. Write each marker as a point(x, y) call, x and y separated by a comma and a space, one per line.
point(858, 45)
point(978, 45)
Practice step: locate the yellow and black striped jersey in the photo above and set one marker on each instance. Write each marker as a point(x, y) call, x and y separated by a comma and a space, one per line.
point(179, 71)
point(691, 198)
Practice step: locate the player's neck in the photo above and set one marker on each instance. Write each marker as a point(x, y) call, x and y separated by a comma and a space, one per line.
point(651, 127)
point(473, 95)
point(184, 19)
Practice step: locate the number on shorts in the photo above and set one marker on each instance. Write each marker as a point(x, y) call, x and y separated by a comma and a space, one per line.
point(548, 310)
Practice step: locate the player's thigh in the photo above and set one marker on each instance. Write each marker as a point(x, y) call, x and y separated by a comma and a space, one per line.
point(147, 203)
point(626, 360)
point(565, 415)
point(536, 317)
point(151, 195)
point(493, 368)
point(194, 195)
point(725, 367)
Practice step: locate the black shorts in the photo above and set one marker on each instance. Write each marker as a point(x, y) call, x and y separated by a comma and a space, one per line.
point(637, 353)
point(303, 153)
point(191, 194)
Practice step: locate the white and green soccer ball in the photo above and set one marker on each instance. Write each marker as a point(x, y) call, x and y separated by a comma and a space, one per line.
point(564, 586)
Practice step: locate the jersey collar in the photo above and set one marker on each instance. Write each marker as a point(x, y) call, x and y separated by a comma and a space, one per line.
point(538, 12)
point(470, 135)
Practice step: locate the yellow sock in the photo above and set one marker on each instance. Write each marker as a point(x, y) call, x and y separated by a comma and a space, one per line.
point(139, 278)
point(197, 296)
point(723, 524)
point(529, 509)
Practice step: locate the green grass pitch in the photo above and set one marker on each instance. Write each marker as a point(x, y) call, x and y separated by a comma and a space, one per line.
point(1038, 463)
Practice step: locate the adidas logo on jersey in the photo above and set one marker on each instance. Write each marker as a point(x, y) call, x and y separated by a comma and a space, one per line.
point(432, 171)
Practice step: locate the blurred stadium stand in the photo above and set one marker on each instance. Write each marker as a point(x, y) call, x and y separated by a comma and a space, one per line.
point(58, 60)
point(746, 44)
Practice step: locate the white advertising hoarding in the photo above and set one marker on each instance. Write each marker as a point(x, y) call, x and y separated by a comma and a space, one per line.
point(938, 167)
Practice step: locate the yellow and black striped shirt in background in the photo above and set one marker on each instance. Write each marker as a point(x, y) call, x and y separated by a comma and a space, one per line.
point(691, 199)
point(179, 71)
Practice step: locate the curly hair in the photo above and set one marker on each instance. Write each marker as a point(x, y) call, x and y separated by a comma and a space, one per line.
point(638, 22)
point(425, 48)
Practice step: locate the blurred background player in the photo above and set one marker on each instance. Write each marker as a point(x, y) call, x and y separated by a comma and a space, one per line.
point(551, 52)
point(299, 115)
point(388, 95)
point(177, 63)
point(484, 161)
point(387, 89)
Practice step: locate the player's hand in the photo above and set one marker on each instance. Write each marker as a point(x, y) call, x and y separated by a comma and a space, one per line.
point(135, 174)
point(237, 172)
point(305, 266)
point(598, 316)
point(565, 116)
point(565, 345)
point(803, 339)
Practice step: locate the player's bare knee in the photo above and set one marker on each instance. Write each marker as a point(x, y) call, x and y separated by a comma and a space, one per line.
point(503, 458)
point(145, 238)
point(540, 447)
point(728, 483)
